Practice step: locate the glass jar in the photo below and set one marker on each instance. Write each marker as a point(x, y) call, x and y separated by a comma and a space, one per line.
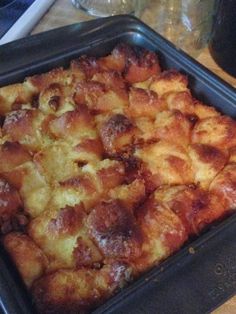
point(186, 23)
point(105, 8)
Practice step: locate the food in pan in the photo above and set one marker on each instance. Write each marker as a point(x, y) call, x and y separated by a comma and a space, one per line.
point(107, 168)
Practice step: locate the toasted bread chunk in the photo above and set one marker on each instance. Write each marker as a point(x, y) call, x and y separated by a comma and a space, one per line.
point(73, 125)
point(117, 133)
point(115, 231)
point(166, 163)
point(33, 188)
point(89, 150)
point(92, 182)
point(56, 99)
point(57, 162)
point(88, 65)
point(99, 98)
point(224, 186)
point(11, 215)
point(62, 235)
point(163, 233)
point(207, 162)
point(203, 111)
point(28, 257)
point(169, 81)
point(219, 131)
point(12, 154)
point(13, 96)
point(144, 103)
point(196, 207)
point(170, 123)
point(25, 126)
point(59, 75)
point(131, 195)
point(78, 291)
point(181, 101)
point(112, 80)
point(140, 66)
point(118, 58)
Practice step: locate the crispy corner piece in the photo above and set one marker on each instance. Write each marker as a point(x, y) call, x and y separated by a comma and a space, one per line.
point(207, 162)
point(219, 131)
point(117, 133)
point(78, 291)
point(137, 65)
point(28, 257)
point(117, 59)
point(163, 233)
point(165, 163)
point(169, 81)
point(115, 230)
point(88, 65)
point(141, 65)
point(224, 186)
point(196, 208)
point(144, 103)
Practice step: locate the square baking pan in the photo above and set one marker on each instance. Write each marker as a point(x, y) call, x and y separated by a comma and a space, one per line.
point(202, 275)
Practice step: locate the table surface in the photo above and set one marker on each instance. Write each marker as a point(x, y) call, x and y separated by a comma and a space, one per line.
point(63, 13)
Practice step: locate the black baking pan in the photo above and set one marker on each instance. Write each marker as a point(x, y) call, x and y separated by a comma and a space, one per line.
point(202, 275)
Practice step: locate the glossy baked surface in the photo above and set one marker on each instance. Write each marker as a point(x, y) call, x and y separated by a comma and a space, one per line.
point(107, 168)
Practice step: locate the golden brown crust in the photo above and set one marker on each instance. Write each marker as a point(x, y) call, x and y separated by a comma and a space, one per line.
point(115, 231)
point(73, 124)
point(12, 154)
point(181, 101)
point(170, 123)
point(140, 66)
point(167, 163)
point(106, 169)
point(144, 103)
point(12, 216)
point(224, 186)
point(207, 162)
point(169, 81)
point(219, 131)
point(162, 230)
point(117, 133)
point(78, 291)
point(195, 207)
point(30, 260)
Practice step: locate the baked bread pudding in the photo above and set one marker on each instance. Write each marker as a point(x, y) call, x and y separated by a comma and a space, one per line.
point(107, 168)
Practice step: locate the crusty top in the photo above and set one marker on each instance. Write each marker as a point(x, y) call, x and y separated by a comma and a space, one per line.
point(106, 168)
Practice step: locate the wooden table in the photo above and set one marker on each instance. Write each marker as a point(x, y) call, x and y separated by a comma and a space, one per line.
point(63, 13)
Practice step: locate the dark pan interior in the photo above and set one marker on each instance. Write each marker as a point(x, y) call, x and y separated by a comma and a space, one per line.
point(185, 283)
